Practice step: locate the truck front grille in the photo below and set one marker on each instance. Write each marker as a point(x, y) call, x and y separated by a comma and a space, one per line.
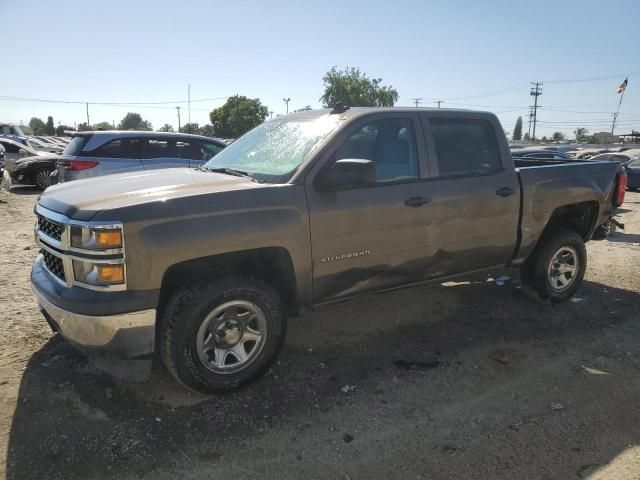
point(50, 228)
point(53, 264)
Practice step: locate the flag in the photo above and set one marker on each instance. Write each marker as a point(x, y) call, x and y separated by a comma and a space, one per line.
point(623, 86)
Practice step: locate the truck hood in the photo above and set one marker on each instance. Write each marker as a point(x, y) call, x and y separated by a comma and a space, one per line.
point(83, 199)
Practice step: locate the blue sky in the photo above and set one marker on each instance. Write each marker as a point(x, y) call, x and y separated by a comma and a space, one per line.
point(471, 54)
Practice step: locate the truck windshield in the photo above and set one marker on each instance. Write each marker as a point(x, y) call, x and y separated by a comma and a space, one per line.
point(274, 150)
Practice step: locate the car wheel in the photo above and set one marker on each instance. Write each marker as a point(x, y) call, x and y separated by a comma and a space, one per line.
point(42, 178)
point(223, 334)
point(557, 266)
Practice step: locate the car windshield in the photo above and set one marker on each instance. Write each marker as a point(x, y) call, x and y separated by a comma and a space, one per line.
point(274, 150)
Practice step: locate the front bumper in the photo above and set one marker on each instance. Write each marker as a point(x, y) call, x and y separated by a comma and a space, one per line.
point(122, 335)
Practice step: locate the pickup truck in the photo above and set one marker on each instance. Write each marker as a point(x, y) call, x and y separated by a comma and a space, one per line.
point(203, 266)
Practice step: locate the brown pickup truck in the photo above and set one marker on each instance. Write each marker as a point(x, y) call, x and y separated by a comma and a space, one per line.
point(205, 265)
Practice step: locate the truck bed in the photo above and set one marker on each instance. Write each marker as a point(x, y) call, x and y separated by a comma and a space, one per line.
point(547, 185)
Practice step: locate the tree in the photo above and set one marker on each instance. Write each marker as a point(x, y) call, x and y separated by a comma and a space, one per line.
point(84, 127)
point(304, 109)
point(49, 128)
point(238, 115)
point(134, 121)
point(558, 137)
point(37, 126)
point(193, 128)
point(350, 87)
point(517, 130)
point(166, 128)
point(60, 129)
point(544, 139)
point(581, 134)
point(102, 126)
point(526, 137)
point(207, 130)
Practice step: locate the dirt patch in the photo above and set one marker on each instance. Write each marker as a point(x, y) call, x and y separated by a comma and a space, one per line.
point(470, 380)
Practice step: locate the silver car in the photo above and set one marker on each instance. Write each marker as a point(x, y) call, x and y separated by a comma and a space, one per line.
point(91, 154)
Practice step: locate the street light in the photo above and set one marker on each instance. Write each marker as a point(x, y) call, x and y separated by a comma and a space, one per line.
point(287, 100)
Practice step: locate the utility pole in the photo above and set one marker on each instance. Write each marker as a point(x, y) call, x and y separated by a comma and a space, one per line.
point(189, 105)
point(271, 113)
point(439, 102)
point(287, 100)
point(417, 101)
point(613, 124)
point(88, 123)
point(178, 109)
point(536, 91)
point(530, 121)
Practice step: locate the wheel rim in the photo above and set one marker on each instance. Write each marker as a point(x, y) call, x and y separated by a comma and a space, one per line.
point(563, 269)
point(43, 179)
point(231, 337)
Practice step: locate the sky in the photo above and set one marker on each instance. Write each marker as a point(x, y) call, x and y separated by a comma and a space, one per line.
point(470, 54)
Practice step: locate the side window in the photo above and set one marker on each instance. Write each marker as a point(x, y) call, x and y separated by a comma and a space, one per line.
point(207, 151)
point(390, 144)
point(184, 149)
point(465, 146)
point(116, 148)
point(157, 148)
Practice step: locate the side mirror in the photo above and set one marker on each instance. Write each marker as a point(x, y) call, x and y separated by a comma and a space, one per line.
point(23, 153)
point(349, 172)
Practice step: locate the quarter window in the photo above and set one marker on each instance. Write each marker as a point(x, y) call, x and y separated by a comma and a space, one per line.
point(116, 148)
point(465, 146)
point(390, 144)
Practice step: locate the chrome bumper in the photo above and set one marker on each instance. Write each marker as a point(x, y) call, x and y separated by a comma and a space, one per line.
point(124, 336)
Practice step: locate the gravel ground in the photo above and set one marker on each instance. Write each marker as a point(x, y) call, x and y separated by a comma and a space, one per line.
point(468, 380)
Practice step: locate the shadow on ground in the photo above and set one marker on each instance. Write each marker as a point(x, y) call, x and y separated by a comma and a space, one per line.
point(452, 382)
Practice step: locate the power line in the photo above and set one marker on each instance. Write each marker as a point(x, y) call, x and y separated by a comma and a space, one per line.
point(77, 102)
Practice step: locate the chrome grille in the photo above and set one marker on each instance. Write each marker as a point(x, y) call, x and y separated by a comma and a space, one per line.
point(50, 228)
point(54, 264)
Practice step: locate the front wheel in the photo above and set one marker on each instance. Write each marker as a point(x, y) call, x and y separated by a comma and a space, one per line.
point(557, 266)
point(42, 178)
point(223, 334)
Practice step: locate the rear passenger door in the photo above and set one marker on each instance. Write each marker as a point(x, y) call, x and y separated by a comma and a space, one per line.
point(476, 193)
point(161, 152)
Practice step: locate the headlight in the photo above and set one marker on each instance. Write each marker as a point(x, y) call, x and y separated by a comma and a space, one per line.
point(97, 273)
point(96, 238)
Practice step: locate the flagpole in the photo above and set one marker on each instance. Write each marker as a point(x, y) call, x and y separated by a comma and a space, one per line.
point(615, 115)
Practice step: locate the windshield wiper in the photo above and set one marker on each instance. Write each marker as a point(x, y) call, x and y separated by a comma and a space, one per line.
point(228, 171)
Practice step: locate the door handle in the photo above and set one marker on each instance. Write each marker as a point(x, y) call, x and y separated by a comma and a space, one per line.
point(417, 201)
point(505, 191)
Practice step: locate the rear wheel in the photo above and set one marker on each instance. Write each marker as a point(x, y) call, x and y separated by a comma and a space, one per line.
point(222, 334)
point(42, 178)
point(557, 266)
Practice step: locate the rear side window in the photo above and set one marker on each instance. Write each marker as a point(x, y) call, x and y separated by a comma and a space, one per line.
point(11, 148)
point(74, 147)
point(157, 148)
point(116, 148)
point(465, 146)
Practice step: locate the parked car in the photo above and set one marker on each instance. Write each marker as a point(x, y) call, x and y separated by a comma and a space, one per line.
point(539, 154)
point(306, 209)
point(41, 146)
point(2, 160)
point(11, 129)
point(630, 159)
point(91, 154)
point(33, 162)
point(36, 170)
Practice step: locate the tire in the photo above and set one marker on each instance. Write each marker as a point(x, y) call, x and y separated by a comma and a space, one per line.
point(208, 327)
point(42, 178)
point(556, 267)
